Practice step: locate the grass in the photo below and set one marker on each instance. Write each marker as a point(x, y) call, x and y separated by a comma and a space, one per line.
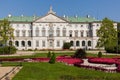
point(59, 71)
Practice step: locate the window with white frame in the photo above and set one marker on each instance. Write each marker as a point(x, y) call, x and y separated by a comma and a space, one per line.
point(64, 32)
point(76, 33)
point(37, 43)
point(43, 43)
point(23, 33)
point(70, 33)
point(17, 33)
point(58, 43)
point(37, 32)
point(82, 33)
point(43, 32)
point(29, 33)
point(58, 32)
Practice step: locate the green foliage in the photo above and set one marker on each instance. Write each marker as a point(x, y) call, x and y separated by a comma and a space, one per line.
point(107, 35)
point(49, 55)
point(53, 58)
point(66, 45)
point(8, 50)
point(6, 32)
point(80, 53)
point(99, 54)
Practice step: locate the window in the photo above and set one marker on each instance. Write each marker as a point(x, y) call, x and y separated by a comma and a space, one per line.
point(43, 32)
point(37, 31)
point(29, 33)
point(23, 33)
point(29, 43)
point(83, 43)
point(71, 42)
point(16, 43)
point(82, 33)
point(58, 32)
point(64, 32)
point(87, 33)
point(37, 43)
point(23, 43)
point(76, 33)
point(43, 43)
point(70, 33)
point(51, 31)
point(58, 43)
point(17, 33)
point(89, 43)
point(77, 43)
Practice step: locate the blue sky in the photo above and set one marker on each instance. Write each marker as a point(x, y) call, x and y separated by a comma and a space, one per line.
point(96, 8)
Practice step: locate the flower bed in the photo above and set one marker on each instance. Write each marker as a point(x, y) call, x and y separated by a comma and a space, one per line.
point(102, 60)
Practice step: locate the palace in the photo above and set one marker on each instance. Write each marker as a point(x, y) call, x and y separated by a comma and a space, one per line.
point(51, 31)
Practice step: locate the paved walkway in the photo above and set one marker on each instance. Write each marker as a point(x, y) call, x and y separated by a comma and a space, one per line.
point(105, 66)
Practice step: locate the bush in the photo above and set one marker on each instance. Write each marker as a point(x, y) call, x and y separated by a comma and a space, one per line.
point(49, 55)
point(8, 50)
point(66, 45)
point(80, 53)
point(99, 54)
point(52, 59)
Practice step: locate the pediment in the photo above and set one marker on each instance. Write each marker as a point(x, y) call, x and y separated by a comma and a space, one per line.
point(50, 18)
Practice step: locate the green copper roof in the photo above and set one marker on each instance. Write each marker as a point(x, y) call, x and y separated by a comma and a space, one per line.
point(22, 18)
point(81, 19)
point(32, 18)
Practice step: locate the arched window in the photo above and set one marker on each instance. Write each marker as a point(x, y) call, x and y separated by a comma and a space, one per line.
point(10, 43)
point(71, 42)
point(64, 32)
point(17, 43)
point(37, 31)
point(83, 43)
point(29, 43)
point(77, 43)
point(89, 43)
point(23, 43)
point(58, 31)
point(43, 31)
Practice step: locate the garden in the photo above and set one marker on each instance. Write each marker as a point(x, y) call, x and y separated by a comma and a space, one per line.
point(65, 66)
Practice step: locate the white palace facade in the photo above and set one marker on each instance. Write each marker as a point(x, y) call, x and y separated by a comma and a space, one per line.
point(51, 31)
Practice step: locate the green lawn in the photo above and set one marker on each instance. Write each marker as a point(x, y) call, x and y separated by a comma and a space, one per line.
point(59, 71)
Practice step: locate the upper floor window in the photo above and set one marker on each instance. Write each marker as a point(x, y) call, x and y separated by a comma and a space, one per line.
point(58, 31)
point(17, 33)
point(37, 31)
point(43, 31)
point(64, 32)
point(70, 33)
point(82, 33)
point(29, 33)
point(87, 33)
point(76, 33)
point(23, 33)
point(51, 31)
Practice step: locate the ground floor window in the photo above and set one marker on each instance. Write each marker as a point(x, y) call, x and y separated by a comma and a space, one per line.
point(89, 43)
point(58, 43)
point(23, 43)
point(77, 43)
point(29, 43)
point(83, 43)
point(43, 43)
point(37, 43)
point(71, 42)
point(17, 43)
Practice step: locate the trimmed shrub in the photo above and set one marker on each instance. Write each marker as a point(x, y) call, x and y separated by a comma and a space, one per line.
point(80, 53)
point(66, 45)
point(99, 54)
point(49, 55)
point(52, 59)
point(8, 50)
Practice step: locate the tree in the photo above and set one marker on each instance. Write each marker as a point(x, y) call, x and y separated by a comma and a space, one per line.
point(66, 45)
point(53, 58)
point(6, 32)
point(107, 34)
point(99, 54)
point(49, 55)
point(80, 53)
